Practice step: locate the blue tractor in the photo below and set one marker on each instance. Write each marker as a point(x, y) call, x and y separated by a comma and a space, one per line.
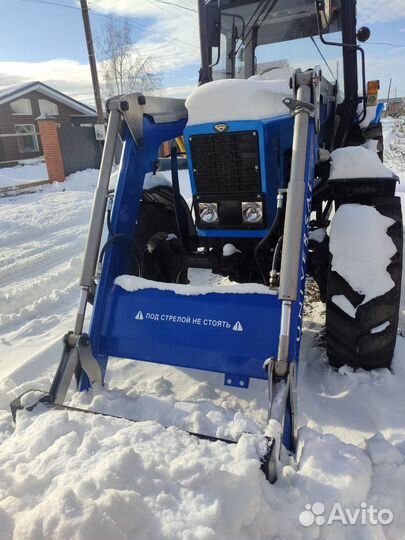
point(257, 139)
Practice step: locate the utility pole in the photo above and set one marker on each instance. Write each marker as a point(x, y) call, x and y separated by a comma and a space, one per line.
point(92, 61)
point(388, 97)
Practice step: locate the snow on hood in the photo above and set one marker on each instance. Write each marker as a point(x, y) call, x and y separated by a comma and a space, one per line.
point(237, 99)
point(279, 75)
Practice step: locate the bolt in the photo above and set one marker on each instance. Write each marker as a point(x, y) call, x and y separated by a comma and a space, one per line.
point(241, 383)
point(228, 381)
point(84, 340)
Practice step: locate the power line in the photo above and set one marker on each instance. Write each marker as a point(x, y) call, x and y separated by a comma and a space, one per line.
point(171, 13)
point(49, 3)
point(384, 43)
point(96, 11)
point(322, 56)
point(137, 24)
point(176, 5)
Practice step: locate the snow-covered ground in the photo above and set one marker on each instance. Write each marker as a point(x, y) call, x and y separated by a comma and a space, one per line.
point(29, 171)
point(83, 477)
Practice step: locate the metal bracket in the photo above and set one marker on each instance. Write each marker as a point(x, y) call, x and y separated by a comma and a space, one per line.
point(296, 106)
point(237, 381)
point(89, 364)
point(17, 403)
point(134, 106)
point(293, 402)
point(280, 391)
point(76, 353)
point(277, 370)
point(312, 78)
point(316, 92)
point(281, 368)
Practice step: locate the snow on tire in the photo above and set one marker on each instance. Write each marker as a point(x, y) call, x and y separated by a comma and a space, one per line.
point(364, 283)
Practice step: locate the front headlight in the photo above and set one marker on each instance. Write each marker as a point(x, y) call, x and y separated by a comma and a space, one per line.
point(208, 212)
point(252, 212)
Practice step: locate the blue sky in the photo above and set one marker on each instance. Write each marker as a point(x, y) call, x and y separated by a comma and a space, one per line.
point(46, 42)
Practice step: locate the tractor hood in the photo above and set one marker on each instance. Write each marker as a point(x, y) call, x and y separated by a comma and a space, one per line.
point(256, 98)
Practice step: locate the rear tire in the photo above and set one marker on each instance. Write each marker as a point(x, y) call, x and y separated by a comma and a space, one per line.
point(349, 340)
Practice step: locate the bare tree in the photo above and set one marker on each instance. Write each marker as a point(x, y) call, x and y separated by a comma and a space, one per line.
point(125, 68)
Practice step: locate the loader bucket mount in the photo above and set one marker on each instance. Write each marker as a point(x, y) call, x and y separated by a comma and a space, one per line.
point(267, 460)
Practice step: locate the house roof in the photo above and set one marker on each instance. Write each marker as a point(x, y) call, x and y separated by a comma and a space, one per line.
point(15, 92)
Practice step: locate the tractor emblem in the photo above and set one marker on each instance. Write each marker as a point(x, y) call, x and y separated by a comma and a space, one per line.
point(220, 128)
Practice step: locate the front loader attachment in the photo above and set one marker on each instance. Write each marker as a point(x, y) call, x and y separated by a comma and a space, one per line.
point(241, 331)
point(267, 459)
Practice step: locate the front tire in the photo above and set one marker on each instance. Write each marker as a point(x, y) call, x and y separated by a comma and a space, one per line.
point(157, 247)
point(367, 340)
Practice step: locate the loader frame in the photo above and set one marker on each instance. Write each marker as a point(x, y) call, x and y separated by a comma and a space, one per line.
point(145, 123)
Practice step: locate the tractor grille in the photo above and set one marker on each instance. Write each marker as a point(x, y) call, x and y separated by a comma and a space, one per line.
point(226, 163)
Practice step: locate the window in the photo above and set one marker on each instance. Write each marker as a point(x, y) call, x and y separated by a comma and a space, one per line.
point(48, 107)
point(27, 138)
point(21, 106)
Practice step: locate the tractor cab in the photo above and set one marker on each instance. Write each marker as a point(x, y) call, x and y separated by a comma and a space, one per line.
point(232, 33)
point(257, 39)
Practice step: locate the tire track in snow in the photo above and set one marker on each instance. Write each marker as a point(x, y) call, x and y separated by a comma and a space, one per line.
point(42, 240)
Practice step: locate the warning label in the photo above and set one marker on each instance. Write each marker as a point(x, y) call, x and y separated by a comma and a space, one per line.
point(188, 319)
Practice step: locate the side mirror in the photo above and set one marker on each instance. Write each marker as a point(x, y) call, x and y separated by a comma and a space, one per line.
point(363, 34)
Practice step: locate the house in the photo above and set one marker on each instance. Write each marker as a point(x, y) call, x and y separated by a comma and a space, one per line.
point(19, 108)
point(396, 106)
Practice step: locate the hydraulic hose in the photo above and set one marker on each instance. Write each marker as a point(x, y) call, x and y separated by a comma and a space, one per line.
point(265, 239)
point(115, 240)
point(277, 253)
point(275, 265)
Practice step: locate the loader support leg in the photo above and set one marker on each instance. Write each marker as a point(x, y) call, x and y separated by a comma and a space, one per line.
point(293, 228)
point(100, 200)
point(282, 371)
point(76, 349)
point(290, 261)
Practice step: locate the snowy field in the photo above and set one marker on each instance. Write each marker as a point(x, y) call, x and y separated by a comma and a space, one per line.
point(82, 477)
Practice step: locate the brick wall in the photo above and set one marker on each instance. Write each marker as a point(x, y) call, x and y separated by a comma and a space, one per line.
point(48, 129)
